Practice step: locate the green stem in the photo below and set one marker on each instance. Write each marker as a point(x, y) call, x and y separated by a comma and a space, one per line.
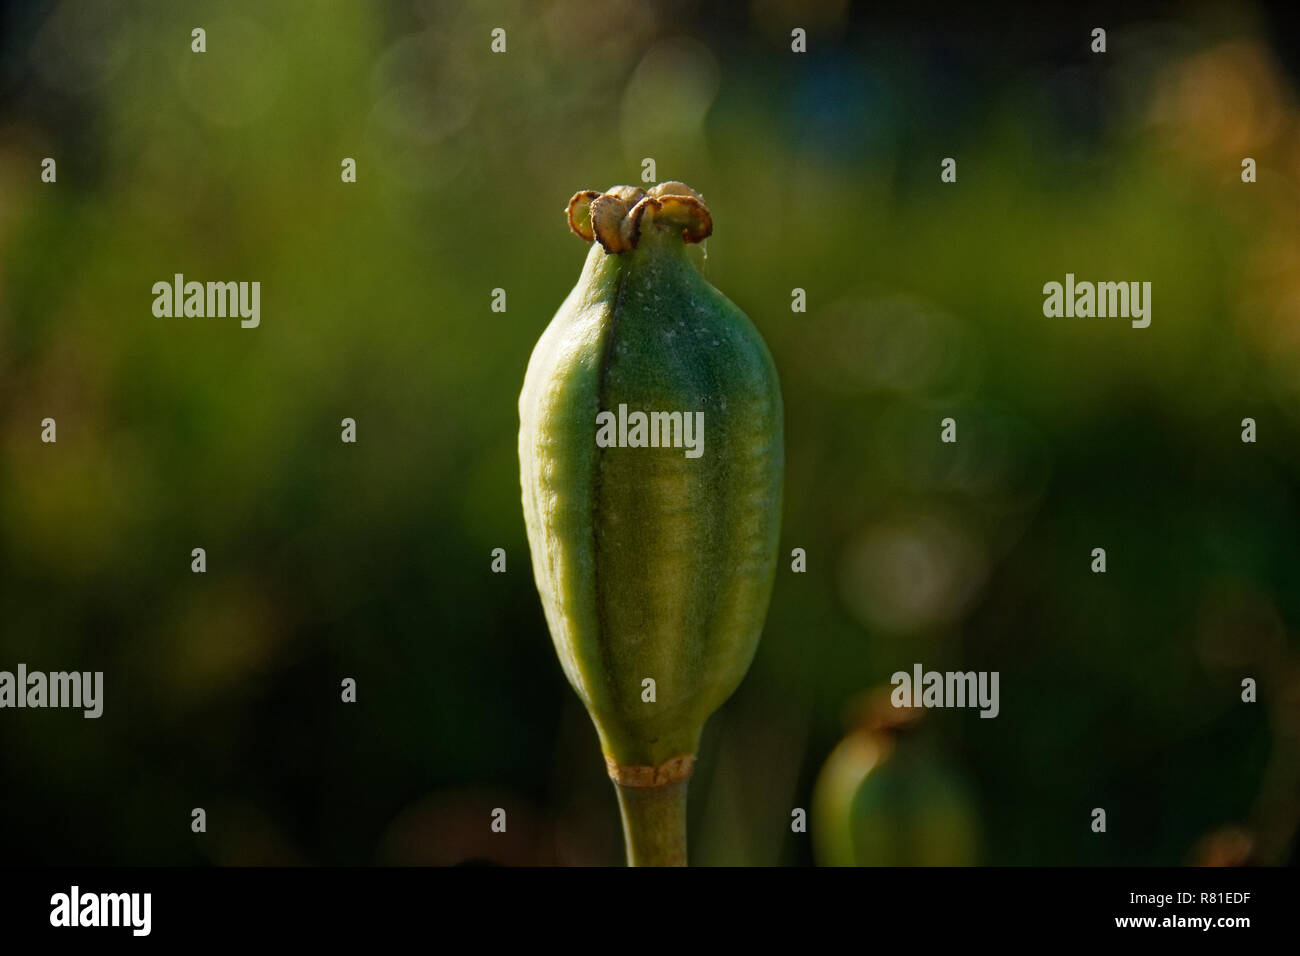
point(654, 823)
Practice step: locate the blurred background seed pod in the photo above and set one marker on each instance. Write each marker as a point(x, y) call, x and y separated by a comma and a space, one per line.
point(886, 796)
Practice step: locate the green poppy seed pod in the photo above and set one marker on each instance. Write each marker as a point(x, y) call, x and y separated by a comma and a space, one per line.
point(884, 798)
point(651, 459)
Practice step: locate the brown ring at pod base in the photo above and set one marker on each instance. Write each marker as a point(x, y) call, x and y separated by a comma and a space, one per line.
point(672, 770)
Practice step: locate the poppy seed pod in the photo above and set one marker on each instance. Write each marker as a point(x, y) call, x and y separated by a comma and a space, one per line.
point(886, 798)
point(651, 460)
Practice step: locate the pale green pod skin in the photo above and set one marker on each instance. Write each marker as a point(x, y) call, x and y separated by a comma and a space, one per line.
point(651, 564)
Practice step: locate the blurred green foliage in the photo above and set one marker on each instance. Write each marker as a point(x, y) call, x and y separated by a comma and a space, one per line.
point(328, 560)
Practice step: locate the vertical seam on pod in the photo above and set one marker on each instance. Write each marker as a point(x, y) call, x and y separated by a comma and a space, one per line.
point(606, 358)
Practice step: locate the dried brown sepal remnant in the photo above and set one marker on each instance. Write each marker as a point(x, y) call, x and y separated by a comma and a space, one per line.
point(673, 770)
point(618, 217)
point(579, 214)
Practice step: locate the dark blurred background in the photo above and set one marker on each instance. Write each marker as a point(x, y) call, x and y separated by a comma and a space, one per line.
point(372, 560)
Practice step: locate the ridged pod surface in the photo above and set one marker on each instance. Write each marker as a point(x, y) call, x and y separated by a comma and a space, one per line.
point(651, 563)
